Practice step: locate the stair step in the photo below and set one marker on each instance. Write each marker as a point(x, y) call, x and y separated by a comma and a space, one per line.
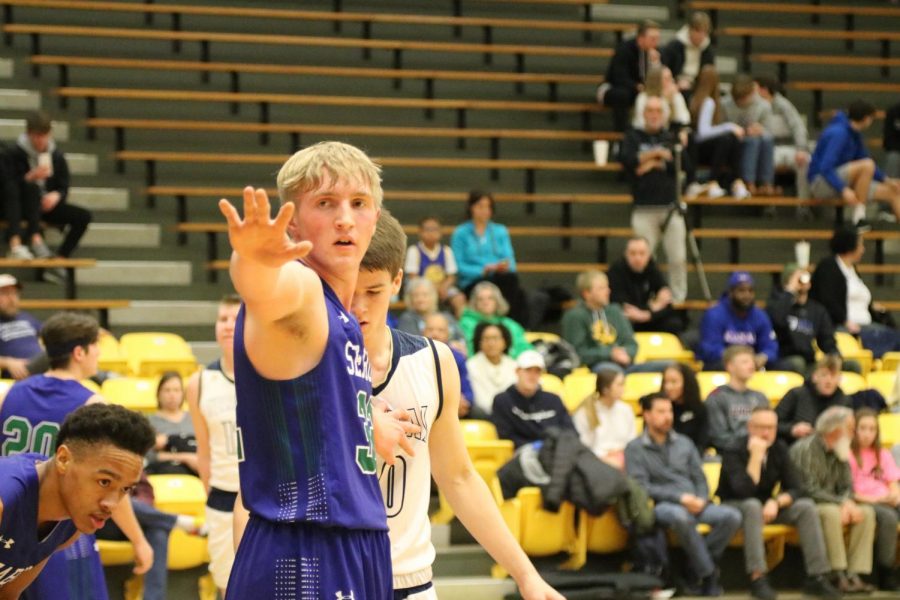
point(115, 235)
point(82, 164)
point(11, 128)
point(629, 12)
point(473, 588)
point(166, 312)
point(6, 68)
point(112, 199)
point(20, 100)
point(137, 273)
point(726, 65)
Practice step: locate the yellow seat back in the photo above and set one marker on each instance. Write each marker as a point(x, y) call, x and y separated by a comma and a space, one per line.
point(181, 494)
point(884, 382)
point(638, 385)
point(149, 354)
point(852, 382)
point(578, 386)
point(476, 430)
point(111, 358)
point(135, 393)
point(710, 380)
point(775, 384)
point(660, 346)
point(541, 336)
point(545, 533)
point(605, 533)
point(850, 349)
point(890, 361)
point(553, 384)
point(889, 428)
point(712, 470)
point(488, 456)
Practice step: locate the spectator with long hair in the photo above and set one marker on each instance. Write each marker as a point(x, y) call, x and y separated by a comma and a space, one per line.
point(604, 422)
point(661, 83)
point(716, 141)
point(679, 384)
point(175, 452)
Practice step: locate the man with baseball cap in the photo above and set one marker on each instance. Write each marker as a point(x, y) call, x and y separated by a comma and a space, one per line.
point(18, 332)
point(736, 320)
point(524, 411)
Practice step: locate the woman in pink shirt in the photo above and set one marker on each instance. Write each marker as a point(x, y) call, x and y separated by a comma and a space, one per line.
point(875, 477)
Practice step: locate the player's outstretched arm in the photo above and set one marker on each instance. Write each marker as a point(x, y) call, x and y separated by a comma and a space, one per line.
point(13, 590)
point(123, 516)
point(201, 431)
point(469, 495)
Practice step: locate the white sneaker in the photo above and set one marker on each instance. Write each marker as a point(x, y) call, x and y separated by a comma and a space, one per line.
point(40, 250)
point(695, 189)
point(739, 191)
point(715, 190)
point(20, 252)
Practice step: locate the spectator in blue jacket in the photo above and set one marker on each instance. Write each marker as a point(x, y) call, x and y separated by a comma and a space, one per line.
point(736, 320)
point(484, 252)
point(842, 168)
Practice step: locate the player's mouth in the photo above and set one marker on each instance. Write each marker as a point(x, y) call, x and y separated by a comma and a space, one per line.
point(344, 242)
point(99, 520)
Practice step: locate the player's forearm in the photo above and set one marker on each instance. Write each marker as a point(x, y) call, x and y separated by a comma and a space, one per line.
point(474, 504)
point(240, 517)
point(123, 516)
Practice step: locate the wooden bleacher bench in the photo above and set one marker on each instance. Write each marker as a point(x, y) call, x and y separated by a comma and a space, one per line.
point(295, 130)
point(101, 306)
point(783, 60)
point(397, 47)
point(884, 38)
point(264, 100)
point(68, 264)
point(855, 87)
point(234, 70)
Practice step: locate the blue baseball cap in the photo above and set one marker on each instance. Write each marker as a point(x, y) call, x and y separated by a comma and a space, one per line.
point(740, 278)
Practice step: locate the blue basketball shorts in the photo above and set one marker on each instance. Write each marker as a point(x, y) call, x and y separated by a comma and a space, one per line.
point(301, 561)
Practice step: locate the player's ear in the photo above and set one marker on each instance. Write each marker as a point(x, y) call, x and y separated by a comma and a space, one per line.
point(63, 458)
point(397, 282)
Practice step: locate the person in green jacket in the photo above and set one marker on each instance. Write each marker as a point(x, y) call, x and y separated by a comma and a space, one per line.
point(487, 305)
point(599, 331)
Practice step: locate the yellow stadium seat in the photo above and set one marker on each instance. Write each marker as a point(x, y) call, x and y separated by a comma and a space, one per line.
point(710, 380)
point(889, 427)
point(487, 456)
point(181, 494)
point(775, 384)
point(883, 381)
point(605, 533)
point(852, 382)
point(661, 346)
point(639, 425)
point(5, 384)
point(543, 336)
point(151, 354)
point(544, 533)
point(91, 385)
point(890, 361)
point(640, 384)
point(111, 358)
point(578, 386)
point(476, 430)
point(712, 470)
point(136, 393)
point(850, 349)
point(115, 553)
point(553, 384)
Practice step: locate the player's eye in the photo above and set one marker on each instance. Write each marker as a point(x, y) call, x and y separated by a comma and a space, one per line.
point(360, 203)
point(103, 482)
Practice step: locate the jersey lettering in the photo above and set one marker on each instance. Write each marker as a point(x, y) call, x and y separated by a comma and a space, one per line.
point(394, 490)
point(357, 361)
point(365, 455)
point(231, 437)
point(22, 437)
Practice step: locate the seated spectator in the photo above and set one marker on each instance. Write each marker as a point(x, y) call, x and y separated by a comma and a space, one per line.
point(736, 320)
point(484, 252)
point(175, 452)
point(875, 482)
point(648, 161)
point(891, 142)
point(717, 143)
point(679, 384)
point(801, 406)
point(421, 300)
point(690, 51)
point(487, 305)
point(744, 107)
point(598, 330)
point(841, 167)
point(20, 348)
point(668, 466)
point(524, 411)
point(799, 323)
point(729, 406)
point(491, 370)
point(637, 284)
point(438, 328)
point(661, 84)
point(43, 178)
point(821, 459)
point(627, 71)
point(836, 285)
point(758, 479)
point(605, 424)
point(434, 261)
point(788, 127)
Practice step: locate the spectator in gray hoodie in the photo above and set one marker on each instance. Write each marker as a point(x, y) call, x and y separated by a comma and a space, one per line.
point(788, 127)
point(747, 109)
point(729, 406)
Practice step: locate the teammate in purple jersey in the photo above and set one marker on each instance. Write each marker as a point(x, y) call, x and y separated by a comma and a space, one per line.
point(46, 504)
point(307, 434)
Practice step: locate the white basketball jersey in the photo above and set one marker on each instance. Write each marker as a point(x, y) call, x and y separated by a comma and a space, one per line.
point(218, 403)
point(412, 384)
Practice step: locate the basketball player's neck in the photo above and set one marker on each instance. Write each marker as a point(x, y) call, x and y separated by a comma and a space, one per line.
point(50, 504)
point(227, 364)
point(379, 346)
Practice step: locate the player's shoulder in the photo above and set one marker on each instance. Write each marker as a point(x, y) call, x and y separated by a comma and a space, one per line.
point(407, 344)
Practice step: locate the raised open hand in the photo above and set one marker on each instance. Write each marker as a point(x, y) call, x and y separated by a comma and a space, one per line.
point(259, 238)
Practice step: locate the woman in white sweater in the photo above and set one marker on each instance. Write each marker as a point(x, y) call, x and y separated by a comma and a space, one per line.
point(605, 424)
point(491, 370)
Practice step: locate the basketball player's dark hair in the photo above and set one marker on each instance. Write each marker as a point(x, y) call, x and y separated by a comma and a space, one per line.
point(648, 400)
point(388, 246)
point(859, 110)
point(65, 331)
point(475, 196)
point(95, 424)
point(230, 300)
point(479, 332)
point(38, 122)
